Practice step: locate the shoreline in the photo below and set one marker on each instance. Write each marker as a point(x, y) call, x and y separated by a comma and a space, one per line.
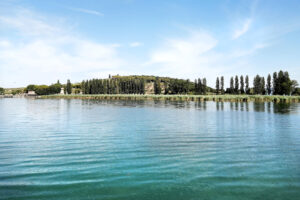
point(216, 98)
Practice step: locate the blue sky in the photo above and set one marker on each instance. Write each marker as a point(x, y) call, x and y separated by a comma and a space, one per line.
point(42, 41)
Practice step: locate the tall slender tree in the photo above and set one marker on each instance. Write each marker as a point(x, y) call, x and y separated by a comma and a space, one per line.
point(257, 88)
point(269, 84)
point(247, 89)
point(196, 86)
point(157, 88)
point(217, 85)
point(262, 85)
point(236, 85)
point(275, 87)
point(200, 86)
point(242, 84)
point(204, 86)
point(69, 87)
point(231, 85)
point(222, 84)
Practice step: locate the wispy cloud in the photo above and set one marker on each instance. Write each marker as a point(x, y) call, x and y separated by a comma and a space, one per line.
point(42, 58)
point(186, 56)
point(241, 31)
point(198, 55)
point(135, 44)
point(27, 23)
point(87, 11)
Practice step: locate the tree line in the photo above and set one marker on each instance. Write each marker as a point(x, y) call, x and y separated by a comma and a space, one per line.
point(277, 84)
point(280, 84)
point(113, 86)
point(1, 91)
point(140, 85)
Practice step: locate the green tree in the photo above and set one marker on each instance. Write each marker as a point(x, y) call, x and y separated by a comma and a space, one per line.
point(157, 87)
point(54, 88)
point(69, 87)
point(247, 89)
point(294, 86)
point(42, 90)
point(217, 85)
point(204, 86)
point(222, 84)
point(236, 85)
point(30, 88)
point(257, 88)
point(269, 84)
point(242, 85)
point(200, 86)
point(286, 84)
point(231, 85)
point(275, 83)
point(1, 91)
point(262, 85)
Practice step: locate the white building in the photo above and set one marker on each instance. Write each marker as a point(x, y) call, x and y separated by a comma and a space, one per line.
point(62, 91)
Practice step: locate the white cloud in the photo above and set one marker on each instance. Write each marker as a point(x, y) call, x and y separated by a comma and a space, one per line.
point(135, 44)
point(197, 55)
point(245, 27)
point(182, 50)
point(28, 23)
point(4, 43)
point(44, 57)
point(184, 57)
point(87, 11)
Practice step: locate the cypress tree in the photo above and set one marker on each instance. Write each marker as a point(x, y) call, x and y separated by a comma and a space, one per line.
point(280, 80)
point(222, 84)
point(157, 88)
point(247, 85)
point(262, 85)
point(200, 87)
point(83, 87)
point(269, 84)
point(257, 89)
point(242, 84)
point(236, 86)
point(69, 87)
point(142, 87)
point(275, 88)
point(231, 85)
point(196, 86)
point(204, 85)
point(217, 85)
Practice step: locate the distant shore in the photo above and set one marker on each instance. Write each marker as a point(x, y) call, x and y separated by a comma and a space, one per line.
point(217, 98)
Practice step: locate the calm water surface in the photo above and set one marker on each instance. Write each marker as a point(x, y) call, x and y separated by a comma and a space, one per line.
point(80, 149)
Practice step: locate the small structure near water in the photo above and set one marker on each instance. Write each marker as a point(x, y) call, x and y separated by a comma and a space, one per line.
point(31, 93)
point(62, 91)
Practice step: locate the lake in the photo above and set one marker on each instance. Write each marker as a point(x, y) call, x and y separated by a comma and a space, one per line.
point(88, 149)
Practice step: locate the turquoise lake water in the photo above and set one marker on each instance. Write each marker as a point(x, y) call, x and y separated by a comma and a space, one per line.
point(87, 149)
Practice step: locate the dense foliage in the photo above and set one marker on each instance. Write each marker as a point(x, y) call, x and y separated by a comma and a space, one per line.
point(113, 86)
point(69, 87)
point(139, 84)
point(1, 90)
point(278, 84)
point(44, 89)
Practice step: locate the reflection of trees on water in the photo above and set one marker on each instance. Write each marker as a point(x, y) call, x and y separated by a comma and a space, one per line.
point(220, 105)
point(270, 107)
point(259, 107)
point(201, 105)
point(283, 108)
